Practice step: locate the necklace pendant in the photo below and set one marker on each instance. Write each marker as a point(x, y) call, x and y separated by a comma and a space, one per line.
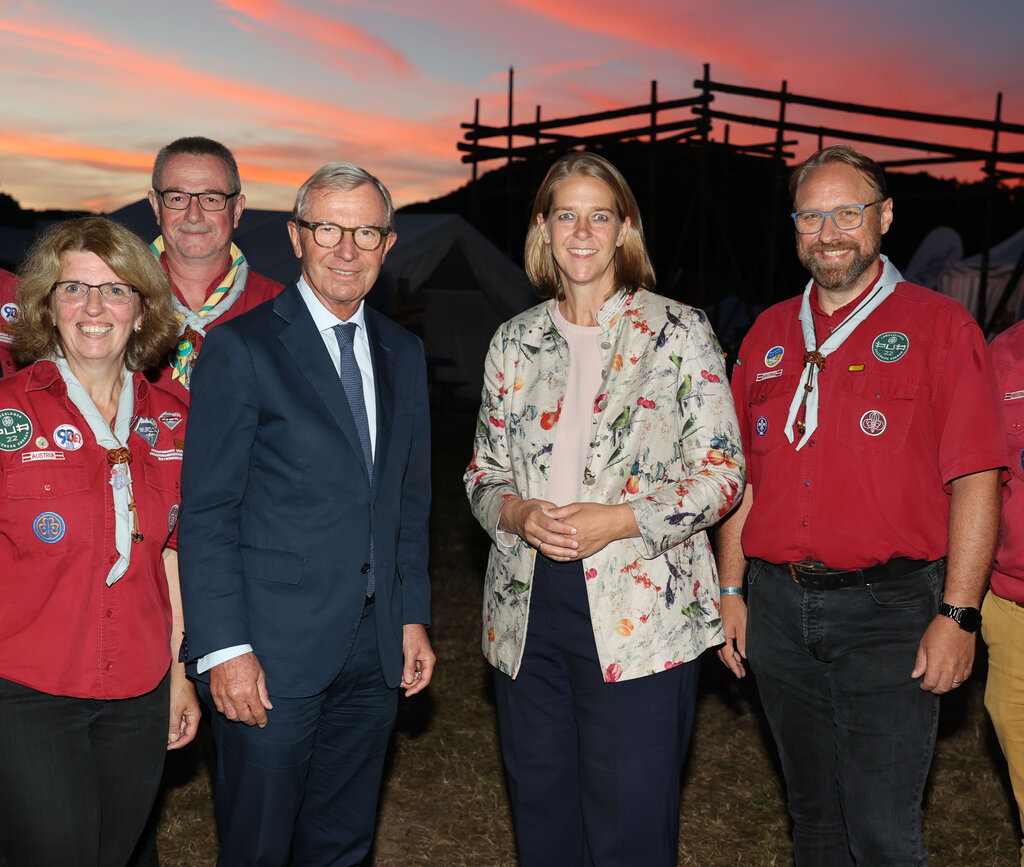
point(800, 427)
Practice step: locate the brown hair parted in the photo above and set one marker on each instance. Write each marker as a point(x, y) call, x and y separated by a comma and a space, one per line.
point(846, 155)
point(633, 269)
point(197, 146)
point(129, 257)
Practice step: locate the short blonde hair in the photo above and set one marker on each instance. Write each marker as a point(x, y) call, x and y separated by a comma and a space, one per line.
point(127, 256)
point(633, 269)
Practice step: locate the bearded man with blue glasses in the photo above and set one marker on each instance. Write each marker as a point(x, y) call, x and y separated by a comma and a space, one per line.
point(867, 529)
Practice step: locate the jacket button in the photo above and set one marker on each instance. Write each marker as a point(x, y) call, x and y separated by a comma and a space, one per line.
point(365, 568)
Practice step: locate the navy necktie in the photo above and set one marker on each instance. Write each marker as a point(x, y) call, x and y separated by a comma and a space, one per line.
point(352, 382)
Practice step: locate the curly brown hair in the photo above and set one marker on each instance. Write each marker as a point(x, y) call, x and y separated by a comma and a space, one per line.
point(128, 256)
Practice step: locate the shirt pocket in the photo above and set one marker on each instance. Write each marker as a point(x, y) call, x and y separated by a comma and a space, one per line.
point(875, 412)
point(49, 506)
point(769, 408)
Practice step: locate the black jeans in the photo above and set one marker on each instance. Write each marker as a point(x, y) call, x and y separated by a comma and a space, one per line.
point(855, 733)
point(77, 776)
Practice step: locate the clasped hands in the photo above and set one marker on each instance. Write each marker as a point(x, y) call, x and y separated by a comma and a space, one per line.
point(568, 532)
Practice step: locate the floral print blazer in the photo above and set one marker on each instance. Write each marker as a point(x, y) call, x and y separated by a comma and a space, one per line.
point(664, 439)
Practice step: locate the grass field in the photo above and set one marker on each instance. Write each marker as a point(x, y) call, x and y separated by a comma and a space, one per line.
point(444, 798)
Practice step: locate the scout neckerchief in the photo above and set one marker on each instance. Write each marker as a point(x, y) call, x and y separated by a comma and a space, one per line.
point(195, 322)
point(118, 457)
point(814, 357)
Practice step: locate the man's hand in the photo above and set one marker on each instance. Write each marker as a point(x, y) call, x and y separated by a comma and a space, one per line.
point(945, 656)
point(419, 658)
point(734, 621)
point(239, 690)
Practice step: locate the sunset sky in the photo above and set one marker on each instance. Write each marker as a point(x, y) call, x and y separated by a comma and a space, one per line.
point(90, 91)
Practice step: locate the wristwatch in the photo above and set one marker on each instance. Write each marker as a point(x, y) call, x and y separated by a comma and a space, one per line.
point(968, 619)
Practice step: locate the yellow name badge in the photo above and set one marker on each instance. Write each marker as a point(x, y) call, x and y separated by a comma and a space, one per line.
point(856, 368)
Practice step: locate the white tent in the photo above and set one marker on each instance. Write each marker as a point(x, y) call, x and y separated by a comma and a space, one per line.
point(962, 281)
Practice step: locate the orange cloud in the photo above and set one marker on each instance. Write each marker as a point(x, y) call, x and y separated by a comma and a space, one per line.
point(257, 105)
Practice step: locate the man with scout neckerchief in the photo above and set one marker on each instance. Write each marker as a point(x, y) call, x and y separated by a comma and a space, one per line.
point(869, 521)
point(197, 199)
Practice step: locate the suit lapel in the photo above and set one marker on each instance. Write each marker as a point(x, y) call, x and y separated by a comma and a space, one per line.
point(306, 347)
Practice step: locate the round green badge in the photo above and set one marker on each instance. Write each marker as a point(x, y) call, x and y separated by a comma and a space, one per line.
point(15, 429)
point(890, 346)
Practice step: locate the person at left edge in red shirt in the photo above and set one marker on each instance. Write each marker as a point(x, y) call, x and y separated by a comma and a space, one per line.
point(91, 695)
point(8, 315)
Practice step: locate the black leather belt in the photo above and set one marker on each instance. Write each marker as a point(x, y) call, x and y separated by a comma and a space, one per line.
point(817, 576)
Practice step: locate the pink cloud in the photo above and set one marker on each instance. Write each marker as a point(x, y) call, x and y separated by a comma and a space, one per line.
point(283, 17)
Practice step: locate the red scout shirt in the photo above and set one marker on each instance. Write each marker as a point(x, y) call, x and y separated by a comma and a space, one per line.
point(906, 405)
point(8, 314)
point(257, 290)
point(1007, 353)
point(63, 631)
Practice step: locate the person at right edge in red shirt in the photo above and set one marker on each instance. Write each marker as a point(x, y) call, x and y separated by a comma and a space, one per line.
point(869, 521)
point(1003, 608)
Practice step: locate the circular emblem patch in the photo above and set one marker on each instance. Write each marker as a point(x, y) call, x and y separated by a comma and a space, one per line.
point(15, 429)
point(49, 527)
point(68, 437)
point(773, 356)
point(890, 346)
point(41, 442)
point(761, 426)
point(872, 423)
point(172, 517)
point(9, 312)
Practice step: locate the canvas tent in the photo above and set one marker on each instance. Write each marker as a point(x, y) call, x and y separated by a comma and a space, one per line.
point(442, 279)
point(962, 281)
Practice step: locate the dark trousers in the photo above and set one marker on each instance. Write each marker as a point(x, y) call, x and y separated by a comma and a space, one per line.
point(308, 783)
point(593, 768)
point(77, 776)
point(855, 733)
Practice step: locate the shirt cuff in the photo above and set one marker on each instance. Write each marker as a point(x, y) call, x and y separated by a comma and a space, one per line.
point(205, 663)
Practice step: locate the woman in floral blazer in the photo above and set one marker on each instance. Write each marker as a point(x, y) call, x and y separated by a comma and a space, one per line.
point(599, 598)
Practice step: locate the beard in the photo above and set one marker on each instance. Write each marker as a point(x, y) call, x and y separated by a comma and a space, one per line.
point(839, 276)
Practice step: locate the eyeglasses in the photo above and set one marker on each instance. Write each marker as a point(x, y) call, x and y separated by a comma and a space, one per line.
point(329, 235)
point(76, 292)
point(846, 217)
point(179, 200)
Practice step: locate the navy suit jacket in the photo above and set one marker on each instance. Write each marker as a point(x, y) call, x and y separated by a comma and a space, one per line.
point(277, 509)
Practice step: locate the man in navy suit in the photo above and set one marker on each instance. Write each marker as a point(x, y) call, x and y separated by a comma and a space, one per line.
point(303, 539)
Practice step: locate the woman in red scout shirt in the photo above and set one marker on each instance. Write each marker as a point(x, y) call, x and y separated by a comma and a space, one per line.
point(90, 458)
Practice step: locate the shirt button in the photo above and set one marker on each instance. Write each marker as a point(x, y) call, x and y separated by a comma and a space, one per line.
point(878, 394)
point(589, 481)
point(46, 487)
point(810, 442)
point(1016, 426)
point(365, 568)
point(807, 483)
point(109, 666)
point(110, 612)
point(605, 345)
point(602, 403)
point(113, 559)
point(803, 523)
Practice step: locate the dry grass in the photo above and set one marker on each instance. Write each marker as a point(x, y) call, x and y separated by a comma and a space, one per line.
point(444, 796)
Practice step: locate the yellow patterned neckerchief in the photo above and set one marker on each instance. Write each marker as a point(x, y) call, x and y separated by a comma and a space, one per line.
point(192, 321)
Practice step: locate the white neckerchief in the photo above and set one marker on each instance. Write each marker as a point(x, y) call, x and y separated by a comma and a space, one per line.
point(806, 391)
point(104, 437)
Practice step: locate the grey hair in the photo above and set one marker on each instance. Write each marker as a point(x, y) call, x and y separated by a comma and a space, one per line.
point(341, 176)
